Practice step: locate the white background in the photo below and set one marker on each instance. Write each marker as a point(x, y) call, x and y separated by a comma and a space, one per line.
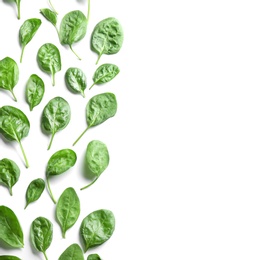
point(188, 172)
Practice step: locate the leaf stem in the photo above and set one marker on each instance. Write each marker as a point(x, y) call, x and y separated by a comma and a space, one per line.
point(26, 206)
point(89, 184)
point(45, 255)
point(63, 234)
point(54, 10)
point(51, 140)
point(18, 6)
point(10, 191)
point(53, 79)
point(22, 52)
point(74, 52)
point(83, 94)
point(49, 191)
point(88, 10)
point(92, 86)
point(24, 155)
point(98, 58)
point(11, 91)
point(80, 136)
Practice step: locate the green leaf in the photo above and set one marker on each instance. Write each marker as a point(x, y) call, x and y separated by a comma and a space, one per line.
point(27, 32)
point(41, 234)
point(9, 173)
point(59, 163)
point(107, 37)
point(9, 75)
point(8, 257)
point(73, 252)
point(97, 228)
point(14, 125)
point(34, 191)
point(35, 89)
point(17, 2)
point(105, 73)
point(97, 158)
point(99, 108)
point(10, 229)
point(68, 209)
point(49, 60)
point(76, 80)
point(49, 15)
point(56, 116)
point(93, 257)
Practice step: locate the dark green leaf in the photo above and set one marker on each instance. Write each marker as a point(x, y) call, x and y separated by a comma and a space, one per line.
point(76, 80)
point(14, 125)
point(99, 108)
point(56, 116)
point(10, 229)
point(93, 257)
point(27, 32)
point(34, 191)
point(9, 75)
point(8, 257)
point(49, 60)
point(9, 173)
point(68, 209)
point(35, 90)
point(107, 37)
point(97, 228)
point(73, 252)
point(49, 15)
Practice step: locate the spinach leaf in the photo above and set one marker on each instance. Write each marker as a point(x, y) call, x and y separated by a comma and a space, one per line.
point(99, 108)
point(76, 80)
point(35, 89)
point(97, 228)
point(97, 158)
point(59, 163)
point(56, 116)
point(68, 209)
point(49, 15)
point(107, 37)
point(104, 73)
point(49, 60)
point(9, 173)
point(27, 32)
point(93, 257)
point(41, 234)
point(10, 229)
point(14, 125)
point(73, 28)
point(8, 257)
point(73, 252)
point(34, 191)
point(9, 75)
point(53, 8)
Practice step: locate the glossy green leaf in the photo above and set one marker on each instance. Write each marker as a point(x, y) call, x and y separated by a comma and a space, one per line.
point(10, 229)
point(9, 257)
point(9, 75)
point(59, 163)
point(9, 173)
point(107, 37)
point(93, 257)
point(27, 32)
point(67, 209)
point(73, 252)
point(49, 15)
point(41, 234)
point(76, 80)
point(97, 158)
point(105, 73)
point(97, 228)
point(14, 125)
point(99, 108)
point(35, 89)
point(49, 60)
point(34, 191)
point(56, 116)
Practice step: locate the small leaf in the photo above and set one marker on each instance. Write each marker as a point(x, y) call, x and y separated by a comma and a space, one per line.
point(76, 80)
point(34, 191)
point(93, 257)
point(49, 15)
point(73, 252)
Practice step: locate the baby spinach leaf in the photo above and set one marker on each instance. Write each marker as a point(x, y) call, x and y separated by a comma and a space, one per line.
point(14, 125)
point(97, 228)
point(27, 32)
point(107, 37)
point(104, 73)
point(73, 252)
point(56, 116)
point(59, 163)
point(8, 257)
point(10, 229)
point(68, 209)
point(9, 173)
point(97, 158)
point(93, 257)
point(34, 191)
point(99, 108)
point(35, 89)
point(49, 60)
point(41, 234)
point(49, 15)
point(73, 28)
point(76, 80)
point(9, 75)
